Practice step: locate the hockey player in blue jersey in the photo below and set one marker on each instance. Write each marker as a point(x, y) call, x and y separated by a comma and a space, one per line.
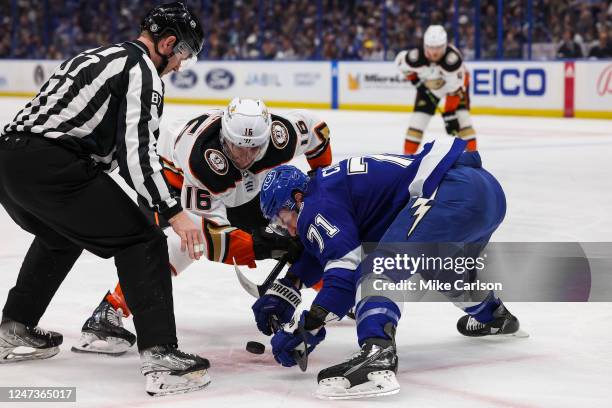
point(439, 195)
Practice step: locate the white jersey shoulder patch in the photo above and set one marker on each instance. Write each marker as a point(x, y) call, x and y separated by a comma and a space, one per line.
point(217, 161)
point(279, 134)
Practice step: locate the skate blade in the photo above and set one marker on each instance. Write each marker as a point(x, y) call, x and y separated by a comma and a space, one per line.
point(380, 384)
point(521, 334)
point(163, 384)
point(93, 344)
point(23, 353)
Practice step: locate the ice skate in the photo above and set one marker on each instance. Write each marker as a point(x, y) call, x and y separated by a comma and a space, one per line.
point(19, 342)
point(103, 333)
point(368, 373)
point(504, 323)
point(170, 371)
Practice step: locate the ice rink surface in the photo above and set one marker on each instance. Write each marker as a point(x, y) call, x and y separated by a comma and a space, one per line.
point(557, 174)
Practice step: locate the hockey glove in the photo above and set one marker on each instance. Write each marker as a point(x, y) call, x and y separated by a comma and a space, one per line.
point(420, 87)
point(267, 244)
point(451, 123)
point(284, 343)
point(279, 302)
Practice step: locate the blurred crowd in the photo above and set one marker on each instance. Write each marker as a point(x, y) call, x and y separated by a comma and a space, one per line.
point(318, 29)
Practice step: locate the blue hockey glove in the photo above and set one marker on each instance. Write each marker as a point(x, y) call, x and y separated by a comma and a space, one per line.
point(279, 301)
point(285, 343)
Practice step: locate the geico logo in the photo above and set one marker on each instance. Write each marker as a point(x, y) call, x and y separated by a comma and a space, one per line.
point(509, 82)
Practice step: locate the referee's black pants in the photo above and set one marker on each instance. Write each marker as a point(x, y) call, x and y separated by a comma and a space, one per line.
point(70, 205)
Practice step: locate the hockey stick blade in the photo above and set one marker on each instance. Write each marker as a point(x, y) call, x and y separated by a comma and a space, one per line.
point(302, 357)
point(246, 284)
point(255, 290)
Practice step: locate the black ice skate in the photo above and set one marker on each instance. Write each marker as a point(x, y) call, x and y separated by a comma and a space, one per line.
point(368, 373)
point(170, 371)
point(19, 342)
point(103, 333)
point(503, 323)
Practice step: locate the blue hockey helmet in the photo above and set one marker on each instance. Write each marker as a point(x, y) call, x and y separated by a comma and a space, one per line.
point(278, 188)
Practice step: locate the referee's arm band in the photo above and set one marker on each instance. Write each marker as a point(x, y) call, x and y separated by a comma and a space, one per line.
point(170, 212)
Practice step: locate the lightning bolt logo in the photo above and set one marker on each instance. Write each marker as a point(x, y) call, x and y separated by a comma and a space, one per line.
point(422, 207)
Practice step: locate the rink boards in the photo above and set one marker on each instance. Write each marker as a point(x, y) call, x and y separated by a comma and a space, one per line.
point(533, 88)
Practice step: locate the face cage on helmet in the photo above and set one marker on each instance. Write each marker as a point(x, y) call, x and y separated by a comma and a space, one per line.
point(227, 150)
point(278, 227)
point(276, 222)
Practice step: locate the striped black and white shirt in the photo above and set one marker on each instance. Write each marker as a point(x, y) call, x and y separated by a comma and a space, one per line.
point(106, 103)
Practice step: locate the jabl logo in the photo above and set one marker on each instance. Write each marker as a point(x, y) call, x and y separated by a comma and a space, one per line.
point(263, 79)
point(219, 78)
point(604, 82)
point(3, 81)
point(184, 80)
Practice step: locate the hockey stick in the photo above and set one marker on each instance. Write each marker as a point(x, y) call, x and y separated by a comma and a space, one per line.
point(429, 95)
point(301, 357)
point(255, 290)
point(258, 291)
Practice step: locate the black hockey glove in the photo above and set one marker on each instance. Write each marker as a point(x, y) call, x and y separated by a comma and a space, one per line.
point(451, 123)
point(420, 87)
point(267, 244)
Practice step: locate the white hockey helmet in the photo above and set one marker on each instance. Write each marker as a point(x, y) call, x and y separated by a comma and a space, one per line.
point(246, 123)
point(246, 126)
point(435, 36)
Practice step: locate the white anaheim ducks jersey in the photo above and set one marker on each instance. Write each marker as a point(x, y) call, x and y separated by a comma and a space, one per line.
point(443, 78)
point(211, 182)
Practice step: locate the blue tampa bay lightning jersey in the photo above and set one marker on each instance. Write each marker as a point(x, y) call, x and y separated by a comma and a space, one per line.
point(357, 199)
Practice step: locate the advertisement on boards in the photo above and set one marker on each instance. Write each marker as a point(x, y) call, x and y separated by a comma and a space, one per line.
point(290, 83)
point(593, 91)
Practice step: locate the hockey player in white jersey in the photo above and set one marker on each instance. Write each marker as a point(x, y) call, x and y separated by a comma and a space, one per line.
point(217, 163)
point(437, 71)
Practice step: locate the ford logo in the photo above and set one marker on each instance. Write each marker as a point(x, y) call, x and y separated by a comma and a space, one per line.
point(219, 78)
point(184, 80)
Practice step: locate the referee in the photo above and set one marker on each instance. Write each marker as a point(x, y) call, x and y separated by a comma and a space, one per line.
point(99, 110)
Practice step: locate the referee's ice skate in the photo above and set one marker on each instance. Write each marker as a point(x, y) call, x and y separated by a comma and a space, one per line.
point(103, 332)
point(170, 371)
point(368, 373)
point(19, 342)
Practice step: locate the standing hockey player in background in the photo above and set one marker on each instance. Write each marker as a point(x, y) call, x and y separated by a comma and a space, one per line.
point(217, 163)
point(98, 110)
point(439, 195)
point(436, 69)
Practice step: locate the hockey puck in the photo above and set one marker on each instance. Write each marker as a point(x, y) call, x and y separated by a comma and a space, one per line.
point(255, 347)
